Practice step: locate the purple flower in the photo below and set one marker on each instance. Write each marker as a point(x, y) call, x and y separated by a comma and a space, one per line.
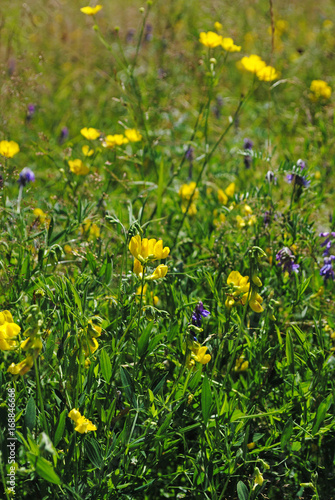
point(301, 164)
point(299, 180)
point(285, 259)
point(327, 270)
point(248, 144)
point(197, 315)
point(64, 134)
point(327, 243)
point(26, 176)
point(30, 112)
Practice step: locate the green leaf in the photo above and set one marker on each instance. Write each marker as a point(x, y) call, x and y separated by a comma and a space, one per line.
point(106, 365)
point(206, 399)
point(289, 352)
point(286, 434)
point(30, 416)
point(321, 413)
point(93, 451)
point(128, 386)
point(60, 427)
point(164, 425)
point(44, 468)
point(159, 384)
point(242, 491)
point(143, 341)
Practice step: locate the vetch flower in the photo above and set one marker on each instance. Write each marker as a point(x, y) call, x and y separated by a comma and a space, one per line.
point(199, 313)
point(327, 243)
point(285, 259)
point(26, 176)
point(9, 148)
point(90, 133)
point(189, 192)
point(158, 273)
point(327, 270)
point(83, 425)
point(210, 39)
point(78, 167)
point(240, 292)
point(91, 11)
point(146, 250)
point(8, 331)
point(199, 354)
point(64, 134)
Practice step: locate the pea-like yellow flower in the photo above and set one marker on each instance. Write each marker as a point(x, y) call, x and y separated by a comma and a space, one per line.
point(23, 367)
point(267, 74)
point(158, 273)
point(90, 133)
point(240, 292)
point(87, 151)
point(252, 63)
point(8, 331)
point(259, 480)
point(218, 222)
point(83, 425)
point(78, 167)
point(241, 365)
point(210, 39)
point(133, 135)
point(199, 355)
point(9, 148)
point(138, 268)
point(91, 228)
point(222, 197)
point(186, 192)
point(91, 11)
point(230, 190)
point(240, 222)
point(320, 90)
point(229, 46)
point(147, 250)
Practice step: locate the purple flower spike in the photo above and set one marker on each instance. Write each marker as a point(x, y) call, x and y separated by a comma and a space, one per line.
point(285, 259)
point(327, 270)
point(327, 243)
point(247, 144)
point(199, 312)
point(26, 176)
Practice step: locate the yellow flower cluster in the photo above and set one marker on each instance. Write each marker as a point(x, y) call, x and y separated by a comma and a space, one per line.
point(89, 341)
point(249, 219)
point(189, 192)
point(320, 90)
point(254, 64)
point(241, 365)
point(91, 229)
point(131, 135)
point(42, 216)
point(8, 331)
point(146, 251)
point(9, 148)
point(240, 292)
point(197, 354)
point(227, 193)
point(212, 40)
point(83, 425)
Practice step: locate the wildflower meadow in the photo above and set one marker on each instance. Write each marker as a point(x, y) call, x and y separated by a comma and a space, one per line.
point(167, 250)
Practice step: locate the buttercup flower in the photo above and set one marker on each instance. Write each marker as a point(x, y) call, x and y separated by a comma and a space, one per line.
point(9, 148)
point(83, 425)
point(90, 133)
point(87, 151)
point(90, 11)
point(267, 74)
point(8, 330)
point(133, 135)
point(147, 250)
point(253, 63)
point(210, 39)
point(320, 90)
point(115, 140)
point(229, 46)
point(78, 167)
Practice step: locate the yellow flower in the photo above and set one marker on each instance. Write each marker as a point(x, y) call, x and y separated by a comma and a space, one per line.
point(138, 268)
point(320, 89)
point(42, 216)
point(199, 355)
point(77, 167)
point(240, 222)
point(229, 46)
point(83, 425)
point(222, 197)
point(241, 365)
point(92, 228)
point(259, 480)
point(240, 292)
point(221, 220)
point(87, 151)
point(210, 39)
point(21, 368)
point(114, 140)
point(159, 272)
point(90, 11)
point(67, 249)
point(90, 133)
point(252, 63)
point(267, 74)
point(9, 148)
point(251, 446)
point(218, 26)
point(252, 220)
point(133, 135)
point(230, 190)
point(188, 191)
point(147, 250)
point(8, 330)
